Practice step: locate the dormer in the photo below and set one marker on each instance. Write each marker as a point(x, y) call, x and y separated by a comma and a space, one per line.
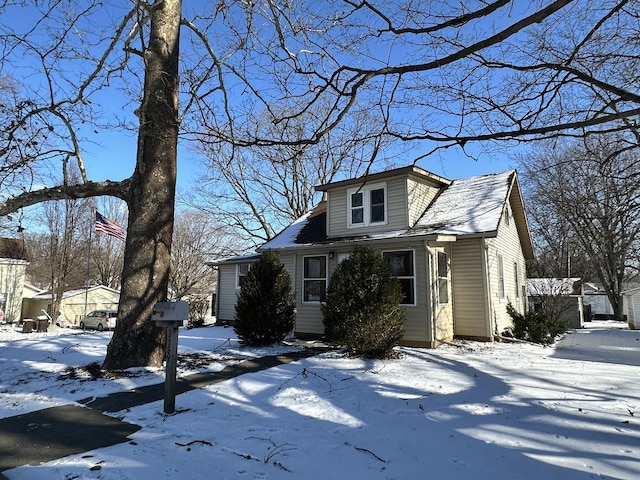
point(379, 202)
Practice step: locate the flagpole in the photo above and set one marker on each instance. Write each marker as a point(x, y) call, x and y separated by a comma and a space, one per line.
point(86, 277)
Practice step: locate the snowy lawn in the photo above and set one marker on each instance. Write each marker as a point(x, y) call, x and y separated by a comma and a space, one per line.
point(476, 410)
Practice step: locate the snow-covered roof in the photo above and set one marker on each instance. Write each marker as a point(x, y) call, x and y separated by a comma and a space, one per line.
point(469, 206)
point(235, 259)
point(48, 295)
point(290, 235)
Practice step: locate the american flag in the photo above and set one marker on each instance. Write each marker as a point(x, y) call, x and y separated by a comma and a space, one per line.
point(104, 225)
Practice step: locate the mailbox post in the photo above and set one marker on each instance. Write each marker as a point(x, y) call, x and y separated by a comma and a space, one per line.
point(170, 315)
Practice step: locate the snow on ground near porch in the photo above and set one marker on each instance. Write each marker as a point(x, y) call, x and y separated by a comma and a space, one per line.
point(476, 410)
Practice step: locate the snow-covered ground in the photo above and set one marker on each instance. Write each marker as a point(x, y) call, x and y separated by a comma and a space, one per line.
point(476, 410)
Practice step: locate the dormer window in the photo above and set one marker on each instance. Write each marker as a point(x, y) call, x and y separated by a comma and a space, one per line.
point(367, 205)
point(357, 208)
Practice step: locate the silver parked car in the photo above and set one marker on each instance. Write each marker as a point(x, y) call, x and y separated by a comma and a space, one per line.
point(100, 320)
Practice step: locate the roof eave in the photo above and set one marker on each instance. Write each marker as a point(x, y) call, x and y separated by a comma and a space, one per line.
point(372, 177)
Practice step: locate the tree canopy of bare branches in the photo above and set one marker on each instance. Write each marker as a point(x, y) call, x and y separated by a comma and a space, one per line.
point(259, 190)
point(197, 240)
point(442, 74)
point(586, 196)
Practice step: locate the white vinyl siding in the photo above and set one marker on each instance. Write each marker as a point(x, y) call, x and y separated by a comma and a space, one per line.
point(227, 292)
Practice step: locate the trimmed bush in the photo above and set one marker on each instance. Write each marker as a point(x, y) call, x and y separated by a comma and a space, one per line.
point(536, 326)
point(362, 312)
point(265, 309)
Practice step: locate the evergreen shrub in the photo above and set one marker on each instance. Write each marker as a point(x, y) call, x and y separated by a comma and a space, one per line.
point(265, 310)
point(362, 312)
point(536, 326)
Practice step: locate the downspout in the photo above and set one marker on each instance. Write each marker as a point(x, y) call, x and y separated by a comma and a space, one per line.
point(216, 306)
point(433, 308)
point(486, 275)
point(294, 283)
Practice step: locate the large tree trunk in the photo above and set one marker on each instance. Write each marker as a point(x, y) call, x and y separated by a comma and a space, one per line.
point(137, 341)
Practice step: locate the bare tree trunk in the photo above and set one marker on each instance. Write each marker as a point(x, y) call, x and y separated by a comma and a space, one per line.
point(151, 199)
point(617, 304)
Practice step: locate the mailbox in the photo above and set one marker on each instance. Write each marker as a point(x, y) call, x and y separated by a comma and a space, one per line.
point(170, 315)
point(169, 312)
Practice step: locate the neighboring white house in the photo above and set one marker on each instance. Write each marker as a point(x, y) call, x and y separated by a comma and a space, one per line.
point(13, 266)
point(458, 248)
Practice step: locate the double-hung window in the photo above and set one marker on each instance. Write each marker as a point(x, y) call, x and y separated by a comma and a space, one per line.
point(357, 208)
point(402, 268)
point(443, 278)
point(241, 271)
point(367, 205)
point(314, 278)
point(516, 274)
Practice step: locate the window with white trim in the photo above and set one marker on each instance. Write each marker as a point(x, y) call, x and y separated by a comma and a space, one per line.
point(443, 278)
point(241, 271)
point(516, 273)
point(367, 205)
point(314, 278)
point(402, 267)
point(501, 289)
point(343, 256)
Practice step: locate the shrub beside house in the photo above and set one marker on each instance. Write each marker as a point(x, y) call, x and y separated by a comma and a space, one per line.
point(457, 247)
